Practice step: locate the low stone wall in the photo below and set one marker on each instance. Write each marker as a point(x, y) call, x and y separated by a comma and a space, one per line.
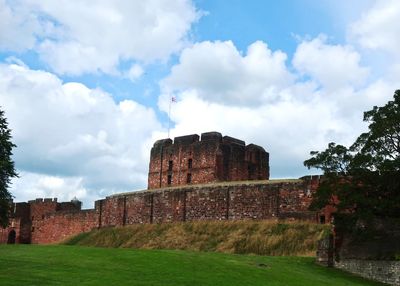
point(378, 270)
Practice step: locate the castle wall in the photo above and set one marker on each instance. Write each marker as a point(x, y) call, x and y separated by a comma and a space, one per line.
point(112, 211)
point(58, 226)
point(15, 225)
point(19, 222)
point(40, 207)
point(206, 203)
point(139, 208)
point(258, 202)
point(234, 152)
point(225, 201)
point(257, 162)
point(288, 199)
point(168, 206)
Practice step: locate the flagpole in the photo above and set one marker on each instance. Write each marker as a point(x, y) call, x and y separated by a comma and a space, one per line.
point(169, 115)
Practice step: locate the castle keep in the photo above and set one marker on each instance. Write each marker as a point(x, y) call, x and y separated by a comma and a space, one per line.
point(190, 179)
point(189, 160)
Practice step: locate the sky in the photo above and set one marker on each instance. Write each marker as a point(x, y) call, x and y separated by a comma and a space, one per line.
point(86, 86)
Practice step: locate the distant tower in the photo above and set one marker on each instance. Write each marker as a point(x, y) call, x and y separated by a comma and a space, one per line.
point(77, 203)
point(189, 160)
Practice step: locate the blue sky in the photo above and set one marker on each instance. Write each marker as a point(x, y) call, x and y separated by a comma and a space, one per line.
point(86, 87)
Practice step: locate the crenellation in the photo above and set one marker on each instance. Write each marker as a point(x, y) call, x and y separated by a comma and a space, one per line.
point(211, 136)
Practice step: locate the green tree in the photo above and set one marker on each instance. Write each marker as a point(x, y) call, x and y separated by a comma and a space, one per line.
point(364, 180)
point(7, 169)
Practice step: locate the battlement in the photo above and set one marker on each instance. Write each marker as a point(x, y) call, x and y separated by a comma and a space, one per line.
point(43, 200)
point(215, 136)
point(187, 139)
point(231, 140)
point(193, 138)
point(211, 157)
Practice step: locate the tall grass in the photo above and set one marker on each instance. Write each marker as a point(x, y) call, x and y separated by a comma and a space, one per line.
point(244, 237)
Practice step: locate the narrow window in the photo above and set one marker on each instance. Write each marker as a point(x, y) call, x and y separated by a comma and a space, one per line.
point(170, 165)
point(190, 162)
point(32, 217)
point(169, 179)
point(322, 219)
point(33, 228)
point(189, 178)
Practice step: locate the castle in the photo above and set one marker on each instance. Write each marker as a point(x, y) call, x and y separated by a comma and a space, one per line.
point(190, 179)
point(188, 160)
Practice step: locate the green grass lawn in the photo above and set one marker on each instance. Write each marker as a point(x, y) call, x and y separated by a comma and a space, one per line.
point(74, 265)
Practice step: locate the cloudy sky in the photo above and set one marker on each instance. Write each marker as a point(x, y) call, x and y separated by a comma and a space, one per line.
point(86, 85)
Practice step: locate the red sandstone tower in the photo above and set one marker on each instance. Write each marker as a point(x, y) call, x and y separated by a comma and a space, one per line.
point(189, 160)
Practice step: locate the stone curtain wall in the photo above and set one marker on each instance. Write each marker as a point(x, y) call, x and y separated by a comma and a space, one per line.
point(378, 270)
point(230, 201)
point(46, 221)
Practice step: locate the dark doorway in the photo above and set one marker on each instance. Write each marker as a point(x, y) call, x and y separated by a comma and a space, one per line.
point(11, 237)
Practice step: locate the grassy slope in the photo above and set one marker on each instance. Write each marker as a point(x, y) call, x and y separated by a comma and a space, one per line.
point(73, 265)
point(250, 237)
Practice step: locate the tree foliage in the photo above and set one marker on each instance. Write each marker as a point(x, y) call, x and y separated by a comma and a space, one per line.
point(364, 180)
point(7, 169)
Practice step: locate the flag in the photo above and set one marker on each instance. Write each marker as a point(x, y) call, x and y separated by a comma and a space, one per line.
point(173, 99)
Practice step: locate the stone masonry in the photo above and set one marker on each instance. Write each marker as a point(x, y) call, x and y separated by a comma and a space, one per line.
point(47, 221)
point(215, 178)
point(189, 160)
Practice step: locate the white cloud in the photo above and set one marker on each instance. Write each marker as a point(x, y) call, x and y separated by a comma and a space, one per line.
point(75, 37)
point(18, 27)
point(71, 132)
point(288, 129)
point(378, 28)
point(135, 72)
point(218, 72)
point(30, 186)
point(254, 97)
point(333, 66)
